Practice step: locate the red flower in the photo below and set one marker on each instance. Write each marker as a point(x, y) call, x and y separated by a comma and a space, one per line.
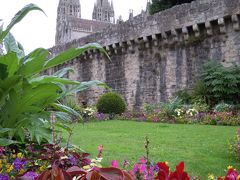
point(179, 174)
point(163, 171)
point(232, 174)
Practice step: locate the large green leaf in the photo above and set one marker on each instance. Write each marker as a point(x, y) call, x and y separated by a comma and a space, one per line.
point(63, 71)
point(71, 54)
point(5, 130)
point(63, 108)
point(85, 85)
point(6, 86)
point(34, 62)
point(11, 61)
point(63, 116)
point(7, 142)
point(18, 17)
point(39, 133)
point(51, 79)
point(18, 105)
point(3, 71)
point(11, 45)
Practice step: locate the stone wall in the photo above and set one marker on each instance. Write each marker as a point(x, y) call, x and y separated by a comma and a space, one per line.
point(152, 57)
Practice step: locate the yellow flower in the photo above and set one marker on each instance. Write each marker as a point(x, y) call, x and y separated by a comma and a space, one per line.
point(42, 168)
point(19, 155)
point(10, 169)
point(166, 162)
point(21, 171)
point(211, 177)
point(14, 156)
point(229, 167)
point(4, 159)
point(8, 165)
point(87, 167)
point(238, 178)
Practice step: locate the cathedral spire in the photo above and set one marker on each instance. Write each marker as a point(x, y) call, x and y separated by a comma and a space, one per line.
point(103, 11)
point(69, 8)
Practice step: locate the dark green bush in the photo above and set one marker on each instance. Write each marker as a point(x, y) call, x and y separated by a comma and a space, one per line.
point(219, 84)
point(184, 96)
point(111, 103)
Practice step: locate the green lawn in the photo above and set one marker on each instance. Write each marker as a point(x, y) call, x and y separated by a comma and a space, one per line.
point(203, 148)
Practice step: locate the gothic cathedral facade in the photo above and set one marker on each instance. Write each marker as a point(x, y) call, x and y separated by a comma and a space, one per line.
point(71, 26)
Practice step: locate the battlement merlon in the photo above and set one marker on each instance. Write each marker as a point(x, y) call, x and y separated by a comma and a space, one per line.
point(169, 26)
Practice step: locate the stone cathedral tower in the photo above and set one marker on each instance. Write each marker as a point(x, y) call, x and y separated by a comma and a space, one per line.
point(103, 11)
point(67, 9)
point(71, 26)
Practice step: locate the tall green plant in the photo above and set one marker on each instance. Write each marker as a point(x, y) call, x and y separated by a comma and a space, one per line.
point(221, 83)
point(27, 98)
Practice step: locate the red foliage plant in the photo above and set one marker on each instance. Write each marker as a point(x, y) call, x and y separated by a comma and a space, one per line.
point(111, 173)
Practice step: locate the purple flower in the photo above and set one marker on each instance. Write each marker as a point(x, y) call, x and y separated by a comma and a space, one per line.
point(3, 177)
point(125, 163)
point(73, 160)
point(30, 174)
point(100, 116)
point(127, 115)
point(200, 115)
point(156, 168)
point(18, 163)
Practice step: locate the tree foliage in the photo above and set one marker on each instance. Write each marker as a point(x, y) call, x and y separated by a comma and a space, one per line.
point(160, 5)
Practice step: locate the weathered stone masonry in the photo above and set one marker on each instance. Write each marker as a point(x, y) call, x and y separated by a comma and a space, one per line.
point(152, 57)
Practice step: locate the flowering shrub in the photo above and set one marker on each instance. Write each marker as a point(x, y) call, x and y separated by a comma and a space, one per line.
point(12, 164)
point(145, 170)
point(191, 112)
point(38, 159)
point(100, 116)
point(179, 112)
point(221, 118)
point(222, 107)
point(234, 145)
point(88, 112)
point(232, 174)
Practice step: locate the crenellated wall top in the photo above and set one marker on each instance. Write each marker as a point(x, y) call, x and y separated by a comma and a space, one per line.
point(169, 26)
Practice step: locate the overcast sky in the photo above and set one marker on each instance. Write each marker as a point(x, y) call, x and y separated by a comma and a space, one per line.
point(38, 30)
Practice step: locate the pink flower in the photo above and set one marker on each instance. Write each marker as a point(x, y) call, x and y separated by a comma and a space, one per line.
point(2, 150)
point(100, 151)
point(135, 169)
point(143, 168)
point(114, 163)
point(100, 148)
point(143, 160)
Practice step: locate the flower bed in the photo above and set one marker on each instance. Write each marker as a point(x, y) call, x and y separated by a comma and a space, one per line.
point(64, 164)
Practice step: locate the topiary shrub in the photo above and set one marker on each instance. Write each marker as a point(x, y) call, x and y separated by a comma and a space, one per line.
point(111, 103)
